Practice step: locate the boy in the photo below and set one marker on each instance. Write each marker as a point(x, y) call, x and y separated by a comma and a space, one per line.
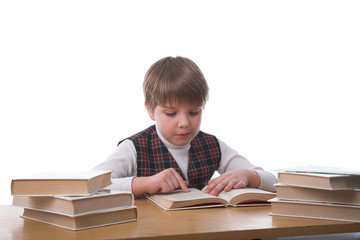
point(174, 153)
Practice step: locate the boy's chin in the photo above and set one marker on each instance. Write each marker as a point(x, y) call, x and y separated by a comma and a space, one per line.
point(181, 142)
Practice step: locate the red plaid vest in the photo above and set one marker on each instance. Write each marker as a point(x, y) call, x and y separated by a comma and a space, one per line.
point(153, 156)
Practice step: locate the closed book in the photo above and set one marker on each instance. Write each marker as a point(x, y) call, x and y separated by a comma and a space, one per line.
point(304, 209)
point(61, 183)
point(83, 221)
point(291, 192)
point(320, 169)
point(322, 181)
point(100, 200)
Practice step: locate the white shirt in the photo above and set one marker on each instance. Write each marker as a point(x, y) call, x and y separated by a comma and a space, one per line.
point(124, 165)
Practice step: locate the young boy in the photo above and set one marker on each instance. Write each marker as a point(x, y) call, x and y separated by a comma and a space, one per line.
point(174, 153)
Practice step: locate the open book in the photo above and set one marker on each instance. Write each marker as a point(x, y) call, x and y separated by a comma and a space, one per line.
point(179, 199)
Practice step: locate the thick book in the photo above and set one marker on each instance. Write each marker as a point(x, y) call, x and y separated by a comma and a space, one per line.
point(100, 200)
point(322, 181)
point(320, 169)
point(291, 192)
point(329, 211)
point(177, 200)
point(84, 221)
point(61, 183)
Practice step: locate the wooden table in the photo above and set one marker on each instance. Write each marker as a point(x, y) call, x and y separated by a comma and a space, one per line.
point(155, 223)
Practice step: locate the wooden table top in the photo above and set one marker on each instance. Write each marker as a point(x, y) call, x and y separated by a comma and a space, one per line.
point(156, 223)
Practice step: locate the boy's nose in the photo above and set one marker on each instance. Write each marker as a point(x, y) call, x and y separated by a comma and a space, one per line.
point(183, 122)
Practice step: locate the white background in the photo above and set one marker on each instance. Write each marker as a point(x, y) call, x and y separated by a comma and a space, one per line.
point(283, 76)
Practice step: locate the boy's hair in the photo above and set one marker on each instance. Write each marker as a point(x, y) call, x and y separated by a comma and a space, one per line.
point(175, 80)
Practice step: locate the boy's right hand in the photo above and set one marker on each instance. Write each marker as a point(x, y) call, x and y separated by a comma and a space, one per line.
point(164, 181)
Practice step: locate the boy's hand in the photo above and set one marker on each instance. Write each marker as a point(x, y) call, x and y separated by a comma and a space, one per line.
point(164, 181)
point(237, 178)
point(167, 180)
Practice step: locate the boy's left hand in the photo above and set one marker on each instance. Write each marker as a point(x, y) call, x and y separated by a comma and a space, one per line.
point(237, 178)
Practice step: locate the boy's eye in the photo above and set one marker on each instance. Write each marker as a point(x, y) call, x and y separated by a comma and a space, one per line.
point(170, 114)
point(194, 113)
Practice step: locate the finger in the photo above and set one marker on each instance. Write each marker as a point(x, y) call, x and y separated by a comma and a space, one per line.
point(172, 181)
point(181, 182)
point(240, 184)
point(230, 186)
point(166, 183)
point(213, 183)
point(210, 181)
point(184, 186)
point(216, 190)
point(164, 187)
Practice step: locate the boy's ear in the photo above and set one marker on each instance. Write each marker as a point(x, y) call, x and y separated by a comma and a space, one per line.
point(150, 112)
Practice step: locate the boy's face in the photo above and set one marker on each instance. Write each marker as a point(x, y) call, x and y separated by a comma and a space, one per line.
point(179, 124)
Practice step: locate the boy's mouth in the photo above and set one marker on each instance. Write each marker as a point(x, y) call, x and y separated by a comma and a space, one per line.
point(183, 135)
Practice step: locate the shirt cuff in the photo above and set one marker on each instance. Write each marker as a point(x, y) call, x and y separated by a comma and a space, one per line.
point(121, 184)
point(267, 180)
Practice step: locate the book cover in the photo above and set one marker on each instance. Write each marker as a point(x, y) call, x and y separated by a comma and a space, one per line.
point(61, 183)
point(318, 180)
point(291, 192)
point(73, 205)
point(316, 210)
point(320, 170)
point(85, 220)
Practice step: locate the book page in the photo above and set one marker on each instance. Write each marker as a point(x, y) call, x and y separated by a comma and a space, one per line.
point(180, 195)
point(235, 192)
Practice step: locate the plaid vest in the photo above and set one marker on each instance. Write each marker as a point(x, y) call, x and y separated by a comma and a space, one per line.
point(154, 157)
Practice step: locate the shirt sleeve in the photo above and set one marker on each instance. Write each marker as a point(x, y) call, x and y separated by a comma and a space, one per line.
point(123, 165)
point(231, 160)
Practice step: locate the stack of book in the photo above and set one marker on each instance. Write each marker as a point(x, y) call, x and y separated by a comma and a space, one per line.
point(318, 192)
point(73, 200)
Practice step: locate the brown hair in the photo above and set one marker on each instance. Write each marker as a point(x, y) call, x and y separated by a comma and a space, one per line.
point(175, 80)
